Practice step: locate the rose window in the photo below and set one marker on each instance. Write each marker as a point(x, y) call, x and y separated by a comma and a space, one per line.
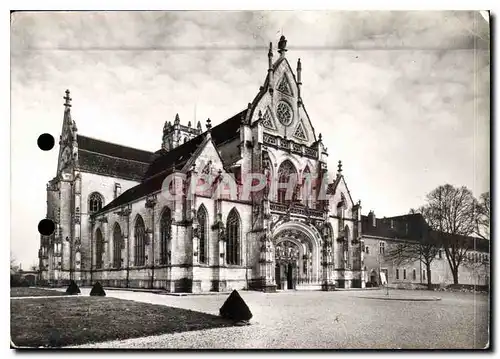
point(284, 113)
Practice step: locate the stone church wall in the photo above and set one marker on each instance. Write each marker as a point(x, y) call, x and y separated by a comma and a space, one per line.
point(105, 186)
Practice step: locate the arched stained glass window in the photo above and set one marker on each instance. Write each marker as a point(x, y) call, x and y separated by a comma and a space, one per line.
point(140, 242)
point(165, 223)
point(117, 246)
point(202, 234)
point(99, 248)
point(233, 237)
point(286, 174)
point(95, 202)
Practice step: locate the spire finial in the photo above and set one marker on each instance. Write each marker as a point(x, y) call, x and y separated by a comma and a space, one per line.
point(209, 125)
point(320, 137)
point(67, 102)
point(189, 124)
point(177, 119)
point(339, 167)
point(282, 45)
point(199, 125)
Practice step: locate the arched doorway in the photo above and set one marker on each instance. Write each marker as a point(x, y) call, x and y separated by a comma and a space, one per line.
point(373, 278)
point(296, 256)
point(286, 265)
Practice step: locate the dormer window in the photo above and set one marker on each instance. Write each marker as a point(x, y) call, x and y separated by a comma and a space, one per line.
point(118, 190)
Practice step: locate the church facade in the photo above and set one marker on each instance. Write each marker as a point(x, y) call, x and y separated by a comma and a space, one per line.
point(246, 204)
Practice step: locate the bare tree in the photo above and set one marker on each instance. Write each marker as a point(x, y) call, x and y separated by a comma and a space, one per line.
point(483, 216)
point(451, 213)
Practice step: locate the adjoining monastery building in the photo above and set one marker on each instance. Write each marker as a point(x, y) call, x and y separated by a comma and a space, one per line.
point(115, 225)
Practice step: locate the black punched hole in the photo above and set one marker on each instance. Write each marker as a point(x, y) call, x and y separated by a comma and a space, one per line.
point(46, 227)
point(45, 141)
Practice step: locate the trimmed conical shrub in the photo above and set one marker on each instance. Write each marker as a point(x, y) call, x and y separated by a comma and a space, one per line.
point(235, 308)
point(98, 290)
point(73, 288)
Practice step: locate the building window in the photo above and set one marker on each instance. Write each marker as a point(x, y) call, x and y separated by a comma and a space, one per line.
point(95, 202)
point(202, 233)
point(367, 250)
point(165, 230)
point(440, 254)
point(99, 248)
point(286, 173)
point(404, 273)
point(397, 273)
point(117, 246)
point(118, 190)
point(382, 248)
point(392, 224)
point(233, 238)
point(414, 274)
point(140, 242)
point(406, 228)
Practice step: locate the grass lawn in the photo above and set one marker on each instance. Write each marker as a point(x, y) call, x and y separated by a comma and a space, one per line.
point(77, 320)
point(33, 292)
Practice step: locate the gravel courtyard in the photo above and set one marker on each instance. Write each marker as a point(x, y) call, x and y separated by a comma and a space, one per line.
point(327, 320)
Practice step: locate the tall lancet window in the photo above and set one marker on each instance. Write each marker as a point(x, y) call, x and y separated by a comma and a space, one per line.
point(346, 247)
point(233, 229)
point(117, 246)
point(202, 234)
point(165, 222)
point(287, 176)
point(99, 248)
point(140, 242)
point(306, 185)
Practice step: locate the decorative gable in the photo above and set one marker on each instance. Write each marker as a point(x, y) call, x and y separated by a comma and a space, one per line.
point(268, 120)
point(300, 132)
point(284, 86)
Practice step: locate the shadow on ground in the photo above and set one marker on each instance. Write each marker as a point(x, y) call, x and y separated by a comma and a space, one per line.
point(33, 292)
point(78, 320)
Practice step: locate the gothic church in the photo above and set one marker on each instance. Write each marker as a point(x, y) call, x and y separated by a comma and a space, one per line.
point(114, 226)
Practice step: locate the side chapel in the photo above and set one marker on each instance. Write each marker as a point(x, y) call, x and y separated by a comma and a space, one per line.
point(113, 225)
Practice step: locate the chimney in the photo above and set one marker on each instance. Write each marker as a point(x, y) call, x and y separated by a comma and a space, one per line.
point(372, 218)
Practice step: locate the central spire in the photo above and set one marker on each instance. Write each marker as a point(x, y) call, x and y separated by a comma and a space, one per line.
point(67, 102)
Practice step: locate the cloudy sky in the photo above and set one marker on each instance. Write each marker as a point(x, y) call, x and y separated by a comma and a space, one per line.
point(402, 98)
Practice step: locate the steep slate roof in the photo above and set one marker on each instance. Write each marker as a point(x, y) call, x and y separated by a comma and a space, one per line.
point(111, 159)
point(112, 149)
point(165, 161)
point(473, 243)
point(179, 156)
point(150, 185)
point(417, 229)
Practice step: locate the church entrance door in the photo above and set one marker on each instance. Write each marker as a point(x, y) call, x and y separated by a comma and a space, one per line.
point(287, 256)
